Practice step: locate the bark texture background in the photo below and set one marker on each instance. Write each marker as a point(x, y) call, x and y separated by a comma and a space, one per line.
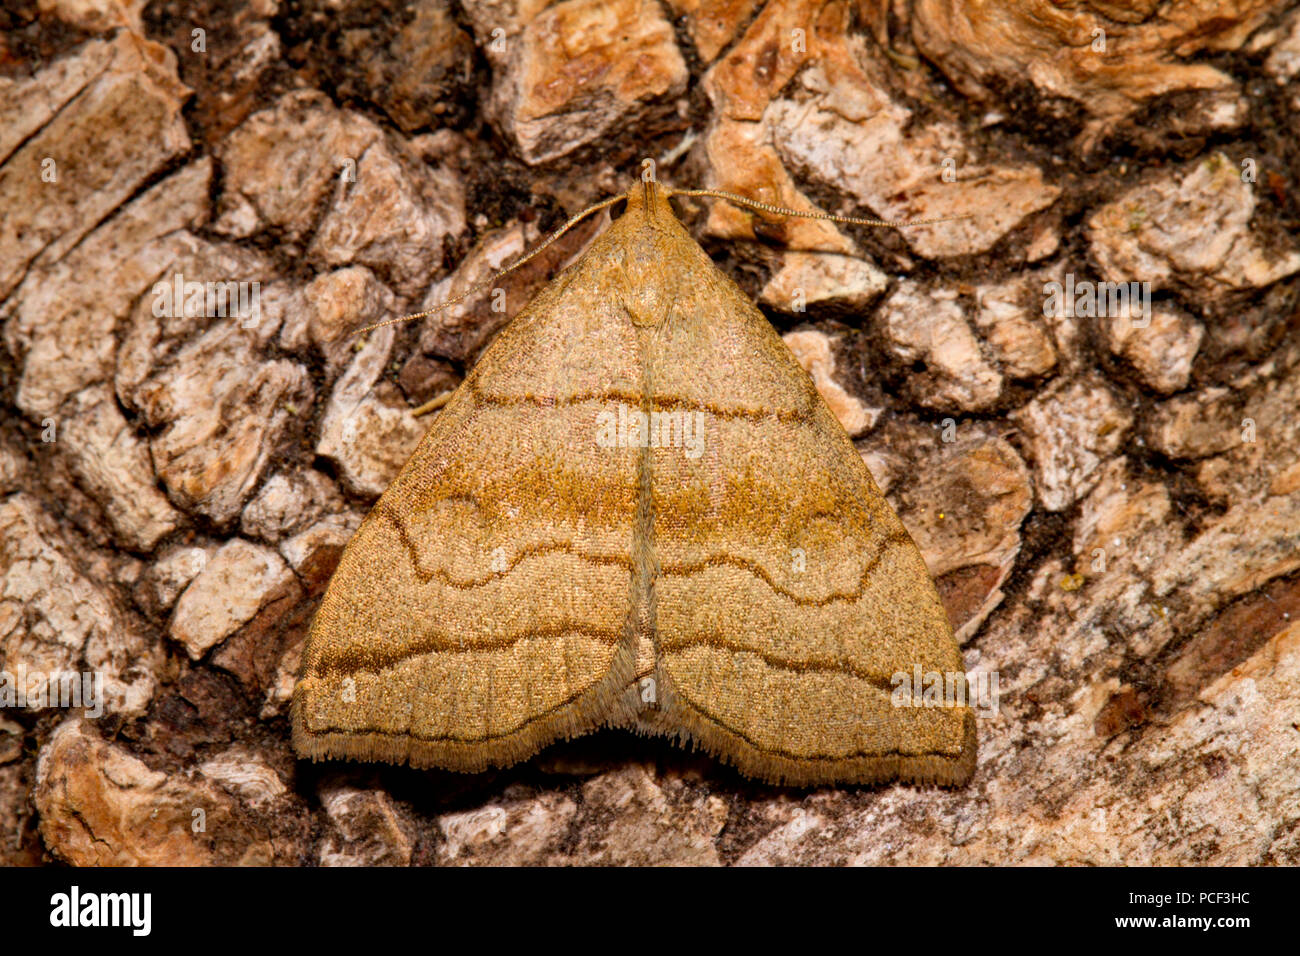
point(1110, 503)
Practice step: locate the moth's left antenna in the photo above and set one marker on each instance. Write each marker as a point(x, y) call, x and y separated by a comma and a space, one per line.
point(486, 283)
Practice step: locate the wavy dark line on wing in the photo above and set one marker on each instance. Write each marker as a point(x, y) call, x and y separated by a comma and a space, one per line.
point(688, 570)
point(634, 400)
point(822, 666)
point(809, 758)
point(355, 659)
point(679, 570)
point(469, 584)
point(442, 738)
point(703, 712)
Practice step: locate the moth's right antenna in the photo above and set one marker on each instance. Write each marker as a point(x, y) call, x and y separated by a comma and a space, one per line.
point(783, 211)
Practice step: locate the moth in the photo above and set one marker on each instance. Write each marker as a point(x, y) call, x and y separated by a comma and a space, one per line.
point(636, 511)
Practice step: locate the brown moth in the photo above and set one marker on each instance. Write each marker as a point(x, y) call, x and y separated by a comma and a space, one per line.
point(636, 511)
